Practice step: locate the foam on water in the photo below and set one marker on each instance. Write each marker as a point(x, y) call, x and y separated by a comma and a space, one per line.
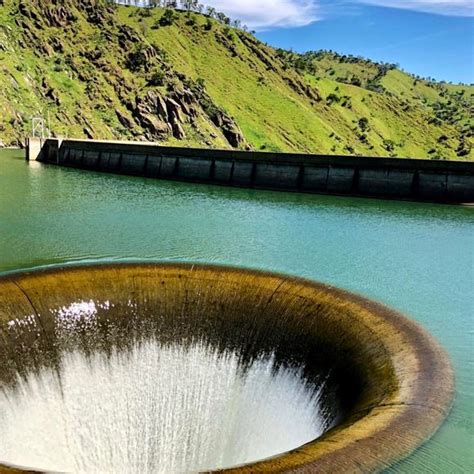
point(156, 409)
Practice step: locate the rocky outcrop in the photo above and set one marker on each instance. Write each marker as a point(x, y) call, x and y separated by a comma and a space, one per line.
point(156, 126)
point(50, 93)
point(229, 128)
point(96, 12)
point(257, 51)
point(58, 16)
point(186, 100)
point(126, 121)
point(60, 13)
point(142, 57)
point(25, 9)
point(163, 115)
point(151, 112)
point(88, 133)
point(127, 37)
point(178, 131)
point(303, 89)
point(220, 118)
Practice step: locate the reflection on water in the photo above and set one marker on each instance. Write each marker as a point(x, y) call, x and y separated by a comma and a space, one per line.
point(156, 409)
point(418, 258)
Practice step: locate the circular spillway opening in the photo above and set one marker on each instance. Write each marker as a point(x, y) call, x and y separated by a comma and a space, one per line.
point(176, 368)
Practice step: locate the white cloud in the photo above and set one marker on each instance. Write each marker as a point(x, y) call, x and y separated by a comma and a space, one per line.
point(440, 7)
point(263, 14)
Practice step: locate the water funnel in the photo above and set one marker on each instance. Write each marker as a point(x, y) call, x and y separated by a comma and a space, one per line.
point(180, 368)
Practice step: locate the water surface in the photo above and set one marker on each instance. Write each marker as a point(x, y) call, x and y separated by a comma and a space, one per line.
point(418, 258)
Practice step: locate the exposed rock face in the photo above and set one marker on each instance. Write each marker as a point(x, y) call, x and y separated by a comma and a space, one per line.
point(124, 119)
point(58, 15)
point(186, 100)
point(253, 45)
point(96, 11)
point(303, 89)
point(229, 128)
point(127, 36)
point(53, 13)
point(178, 131)
point(174, 111)
point(50, 93)
point(25, 9)
point(162, 115)
point(89, 133)
point(155, 125)
point(312, 93)
point(152, 114)
point(232, 133)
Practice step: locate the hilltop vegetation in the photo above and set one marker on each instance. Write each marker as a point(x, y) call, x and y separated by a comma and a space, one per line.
point(182, 78)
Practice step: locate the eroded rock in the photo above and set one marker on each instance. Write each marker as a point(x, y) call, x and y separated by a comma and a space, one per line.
point(126, 121)
point(155, 125)
point(178, 131)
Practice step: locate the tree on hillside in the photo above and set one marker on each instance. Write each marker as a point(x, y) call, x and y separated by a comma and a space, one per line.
point(168, 17)
point(210, 11)
point(188, 6)
point(364, 123)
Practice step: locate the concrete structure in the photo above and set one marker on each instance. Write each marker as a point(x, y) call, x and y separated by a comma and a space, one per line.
point(34, 148)
point(391, 381)
point(423, 180)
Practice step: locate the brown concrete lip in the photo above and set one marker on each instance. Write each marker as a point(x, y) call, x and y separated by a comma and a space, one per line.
point(410, 382)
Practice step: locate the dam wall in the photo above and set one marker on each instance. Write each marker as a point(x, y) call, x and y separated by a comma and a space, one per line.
point(393, 178)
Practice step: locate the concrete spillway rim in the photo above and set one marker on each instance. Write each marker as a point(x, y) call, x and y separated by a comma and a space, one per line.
point(388, 431)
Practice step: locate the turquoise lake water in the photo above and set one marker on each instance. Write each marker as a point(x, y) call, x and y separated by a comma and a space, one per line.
point(417, 258)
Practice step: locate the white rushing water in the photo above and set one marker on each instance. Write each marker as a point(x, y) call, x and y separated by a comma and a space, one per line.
point(156, 409)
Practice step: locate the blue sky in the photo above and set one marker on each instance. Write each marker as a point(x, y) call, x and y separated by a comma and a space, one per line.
point(427, 37)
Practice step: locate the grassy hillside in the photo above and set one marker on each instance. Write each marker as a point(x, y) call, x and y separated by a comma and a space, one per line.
point(130, 73)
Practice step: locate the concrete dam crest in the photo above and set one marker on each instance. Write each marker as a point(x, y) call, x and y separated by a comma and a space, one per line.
point(388, 178)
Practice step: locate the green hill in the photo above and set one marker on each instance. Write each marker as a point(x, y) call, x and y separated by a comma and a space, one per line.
point(102, 71)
